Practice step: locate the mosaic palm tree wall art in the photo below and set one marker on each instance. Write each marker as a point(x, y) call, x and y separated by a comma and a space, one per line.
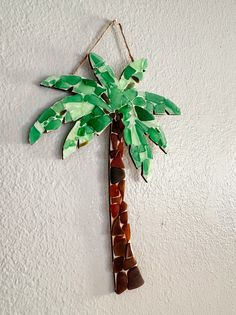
point(115, 103)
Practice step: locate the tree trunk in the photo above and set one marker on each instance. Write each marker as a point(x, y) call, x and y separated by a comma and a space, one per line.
point(125, 270)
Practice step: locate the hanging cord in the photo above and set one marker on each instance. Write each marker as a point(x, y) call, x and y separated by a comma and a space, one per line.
point(112, 23)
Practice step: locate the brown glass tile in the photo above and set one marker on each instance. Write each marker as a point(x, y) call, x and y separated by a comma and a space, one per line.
point(124, 217)
point(113, 153)
point(117, 174)
point(129, 263)
point(126, 229)
point(114, 209)
point(114, 141)
point(135, 279)
point(114, 191)
point(118, 264)
point(122, 188)
point(123, 206)
point(116, 228)
point(121, 282)
point(117, 162)
point(128, 252)
point(119, 247)
point(121, 148)
point(117, 199)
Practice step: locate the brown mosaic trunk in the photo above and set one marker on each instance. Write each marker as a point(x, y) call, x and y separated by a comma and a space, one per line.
point(126, 272)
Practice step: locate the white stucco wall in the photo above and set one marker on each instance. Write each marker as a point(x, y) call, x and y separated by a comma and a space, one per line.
point(54, 233)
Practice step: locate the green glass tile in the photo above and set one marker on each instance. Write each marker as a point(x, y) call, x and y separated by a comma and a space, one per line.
point(154, 97)
point(139, 101)
point(46, 114)
point(95, 100)
point(53, 125)
point(128, 72)
point(34, 135)
point(96, 60)
point(68, 117)
point(143, 114)
point(171, 108)
point(99, 123)
point(159, 108)
point(141, 136)
point(127, 136)
point(130, 94)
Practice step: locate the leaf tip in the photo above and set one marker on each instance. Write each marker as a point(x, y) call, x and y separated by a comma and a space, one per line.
point(34, 135)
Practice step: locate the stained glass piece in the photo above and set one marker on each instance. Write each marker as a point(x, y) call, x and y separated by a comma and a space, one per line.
point(117, 199)
point(143, 114)
point(135, 279)
point(99, 123)
point(34, 135)
point(139, 101)
point(124, 217)
point(116, 228)
point(53, 125)
point(46, 114)
point(121, 148)
point(146, 168)
point(113, 153)
point(114, 191)
point(171, 108)
point(128, 72)
point(115, 208)
point(129, 263)
point(122, 188)
point(118, 264)
point(152, 97)
point(114, 141)
point(117, 174)
point(115, 96)
point(123, 206)
point(126, 229)
point(117, 162)
point(127, 136)
point(119, 247)
point(130, 94)
point(128, 252)
point(121, 282)
point(96, 100)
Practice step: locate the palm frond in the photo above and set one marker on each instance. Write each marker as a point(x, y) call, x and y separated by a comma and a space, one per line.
point(74, 83)
point(85, 129)
point(103, 72)
point(139, 126)
point(155, 103)
point(70, 108)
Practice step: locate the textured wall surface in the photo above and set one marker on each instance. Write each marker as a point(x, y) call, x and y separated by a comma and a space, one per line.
point(54, 228)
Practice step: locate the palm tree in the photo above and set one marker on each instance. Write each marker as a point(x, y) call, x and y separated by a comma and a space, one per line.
point(94, 106)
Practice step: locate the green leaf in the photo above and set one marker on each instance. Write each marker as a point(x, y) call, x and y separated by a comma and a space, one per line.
point(102, 71)
point(70, 108)
point(139, 125)
point(74, 83)
point(133, 73)
point(84, 131)
point(161, 104)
